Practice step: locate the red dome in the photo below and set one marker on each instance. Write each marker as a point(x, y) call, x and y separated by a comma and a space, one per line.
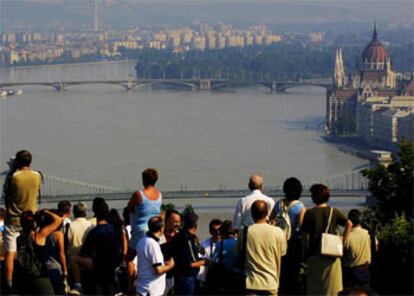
point(375, 52)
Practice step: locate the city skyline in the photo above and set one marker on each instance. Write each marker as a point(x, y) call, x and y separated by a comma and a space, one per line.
point(59, 15)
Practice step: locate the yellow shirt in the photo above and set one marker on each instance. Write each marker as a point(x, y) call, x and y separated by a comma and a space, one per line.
point(25, 186)
point(357, 248)
point(265, 246)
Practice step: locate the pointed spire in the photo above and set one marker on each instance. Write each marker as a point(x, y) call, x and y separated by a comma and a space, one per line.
point(375, 34)
point(339, 76)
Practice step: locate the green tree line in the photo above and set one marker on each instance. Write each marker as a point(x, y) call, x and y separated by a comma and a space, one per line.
point(282, 61)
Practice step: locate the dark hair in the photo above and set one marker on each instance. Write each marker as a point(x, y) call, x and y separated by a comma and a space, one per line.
point(226, 228)
point(64, 207)
point(319, 193)
point(190, 220)
point(27, 221)
point(97, 201)
point(2, 213)
point(102, 211)
point(355, 216)
point(214, 222)
point(23, 158)
point(155, 224)
point(259, 210)
point(115, 219)
point(149, 177)
point(43, 219)
point(79, 210)
point(169, 213)
point(125, 215)
point(292, 188)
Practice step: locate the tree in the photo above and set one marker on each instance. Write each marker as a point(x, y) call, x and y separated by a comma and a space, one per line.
point(391, 221)
point(392, 186)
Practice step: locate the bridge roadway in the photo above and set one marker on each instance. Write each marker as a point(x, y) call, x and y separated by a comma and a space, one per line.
point(194, 84)
point(191, 194)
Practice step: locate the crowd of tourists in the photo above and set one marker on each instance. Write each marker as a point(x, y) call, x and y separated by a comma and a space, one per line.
point(149, 251)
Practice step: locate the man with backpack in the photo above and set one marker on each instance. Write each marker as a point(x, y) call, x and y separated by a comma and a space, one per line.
point(288, 214)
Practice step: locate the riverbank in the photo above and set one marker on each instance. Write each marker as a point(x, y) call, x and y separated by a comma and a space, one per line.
point(77, 63)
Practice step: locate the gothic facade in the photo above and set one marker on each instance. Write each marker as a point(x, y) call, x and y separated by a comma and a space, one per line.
point(375, 79)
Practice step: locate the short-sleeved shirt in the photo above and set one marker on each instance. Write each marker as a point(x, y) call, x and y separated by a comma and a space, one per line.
point(149, 256)
point(357, 248)
point(185, 251)
point(265, 246)
point(24, 191)
point(315, 223)
point(100, 244)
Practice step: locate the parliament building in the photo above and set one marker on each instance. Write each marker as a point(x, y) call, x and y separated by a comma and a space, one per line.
point(371, 105)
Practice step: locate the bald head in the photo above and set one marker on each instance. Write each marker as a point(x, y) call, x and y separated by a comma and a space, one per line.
point(259, 210)
point(255, 182)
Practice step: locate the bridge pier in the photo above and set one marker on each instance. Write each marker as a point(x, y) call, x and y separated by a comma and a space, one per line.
point(205, 84)
point(59, 86)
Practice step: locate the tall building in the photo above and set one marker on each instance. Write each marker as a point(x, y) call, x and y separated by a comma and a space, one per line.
point(374, 79)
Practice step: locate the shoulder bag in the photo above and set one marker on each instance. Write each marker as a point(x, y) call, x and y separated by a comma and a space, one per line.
point(331, 244)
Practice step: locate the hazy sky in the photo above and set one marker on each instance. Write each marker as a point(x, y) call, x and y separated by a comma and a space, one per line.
point(288, 14)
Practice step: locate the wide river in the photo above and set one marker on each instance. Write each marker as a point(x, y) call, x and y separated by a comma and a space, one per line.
point(105, 135)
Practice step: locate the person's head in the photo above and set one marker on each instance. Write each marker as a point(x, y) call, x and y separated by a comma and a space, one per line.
point(96, 203)
point(2, 214)
point(292, 188)
point(102, 212)
point(355, 216)
point(27, 221)
point(259, 210)
point(43, 219)
point(80, 210)
point(320, 193)
point(172, 220)
point(149, 177)
point(23, 158)
point(125, 215)
point(226, 229)
point(256, 182)
point(64, 207)
point(115, 219)
point(190, 220)
point(214, 228)
point(155, 225)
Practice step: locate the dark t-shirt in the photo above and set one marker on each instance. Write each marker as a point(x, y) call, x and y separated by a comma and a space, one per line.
point(184, 250)
point(100, 244)
point(315, 223)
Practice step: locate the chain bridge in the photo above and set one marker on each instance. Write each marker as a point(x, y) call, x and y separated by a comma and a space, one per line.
point(347, 183)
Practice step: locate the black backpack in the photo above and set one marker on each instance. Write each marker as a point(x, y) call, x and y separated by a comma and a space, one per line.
point(27, 260)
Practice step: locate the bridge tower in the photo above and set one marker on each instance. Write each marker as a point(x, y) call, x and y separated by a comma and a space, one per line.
point(205, 84)
point(274, 86)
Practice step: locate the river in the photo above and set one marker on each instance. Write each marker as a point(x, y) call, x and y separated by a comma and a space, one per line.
point(103, 134)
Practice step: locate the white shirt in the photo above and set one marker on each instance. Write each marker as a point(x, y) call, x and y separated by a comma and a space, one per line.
point(209, 246)
point(149, 254)
point(242, 213)
point(78, 229)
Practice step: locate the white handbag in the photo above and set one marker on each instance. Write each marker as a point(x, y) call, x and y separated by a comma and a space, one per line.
point(331, 244)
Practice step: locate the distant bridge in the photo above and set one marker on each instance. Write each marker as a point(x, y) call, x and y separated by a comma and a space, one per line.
point(344, 184)
point(193, 84)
